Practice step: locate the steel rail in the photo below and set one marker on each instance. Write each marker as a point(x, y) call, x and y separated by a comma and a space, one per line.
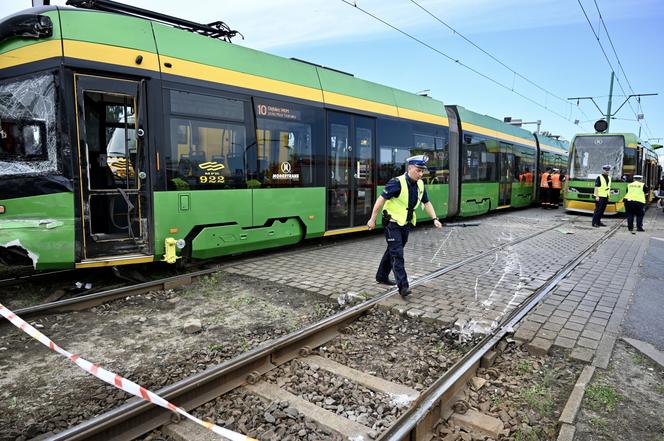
point(417, 422)
point(137, 417)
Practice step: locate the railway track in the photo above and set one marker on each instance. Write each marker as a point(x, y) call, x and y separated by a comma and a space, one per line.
point(137, 417)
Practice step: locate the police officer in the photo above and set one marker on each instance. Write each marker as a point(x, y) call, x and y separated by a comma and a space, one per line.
point(635, 203)
point(602, 190)
point(401, 196)
point(545, 188)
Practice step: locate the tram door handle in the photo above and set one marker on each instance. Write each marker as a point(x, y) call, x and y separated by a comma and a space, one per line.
point(140, 132)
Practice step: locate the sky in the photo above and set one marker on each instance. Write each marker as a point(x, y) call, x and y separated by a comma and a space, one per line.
point(546, 51)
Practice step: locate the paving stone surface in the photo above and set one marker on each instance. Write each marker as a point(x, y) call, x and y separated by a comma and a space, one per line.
point(590, 303)
point(477, 296)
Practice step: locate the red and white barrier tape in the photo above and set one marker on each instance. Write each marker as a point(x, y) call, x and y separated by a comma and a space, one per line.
point(114, 379)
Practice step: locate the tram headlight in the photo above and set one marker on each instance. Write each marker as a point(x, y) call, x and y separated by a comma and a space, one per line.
point(180, 244)
point(572, 190)
point(615, 191)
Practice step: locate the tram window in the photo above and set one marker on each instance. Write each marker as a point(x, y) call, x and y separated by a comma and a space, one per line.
point(28, 129)
point(478, 164)
point(206, 154)
point(207, 106)
point(629, 163)
point(436, 150)
point(286, 136)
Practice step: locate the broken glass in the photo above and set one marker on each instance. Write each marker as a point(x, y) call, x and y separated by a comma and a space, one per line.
point(591, 153)
point(28, 129)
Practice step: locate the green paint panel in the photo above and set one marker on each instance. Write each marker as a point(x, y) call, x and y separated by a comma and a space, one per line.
point(113, 29)
point(271, 203)
point(439, 197)
point(522, 194)
point(16, 43)
point(44, 225)
point(588, 195)
point(225, 240)
point(206, 207)
point(348, 85)
point(423, 104)
point(491, 123)
point(197, 48)
point(478, 198)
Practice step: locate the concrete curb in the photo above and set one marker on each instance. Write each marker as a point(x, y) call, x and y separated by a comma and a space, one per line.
point(646, 349)
point(573, 405)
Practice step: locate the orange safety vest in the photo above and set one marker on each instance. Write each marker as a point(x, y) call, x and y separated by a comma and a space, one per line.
point(555, 180)
point(544, 182)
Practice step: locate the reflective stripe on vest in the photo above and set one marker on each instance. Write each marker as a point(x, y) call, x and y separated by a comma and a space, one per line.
point(603, 189)
point(635, 192)
point(544, 180)
point(397, 207)
point(555, 180)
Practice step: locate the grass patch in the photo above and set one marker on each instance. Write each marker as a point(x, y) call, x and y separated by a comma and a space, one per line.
point(602, 397)
point(525, 435)
point(640, 359)
point(524, 368)
point(539, 398)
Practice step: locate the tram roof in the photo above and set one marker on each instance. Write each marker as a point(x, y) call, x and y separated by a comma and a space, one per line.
point(490, 126)
point(93, 36)
point(631, 140)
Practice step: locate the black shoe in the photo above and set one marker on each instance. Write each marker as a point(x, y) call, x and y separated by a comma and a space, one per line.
point(640, 229)
point(405, 291)
point(388, 282)
point(595, 225)
point(601, 225)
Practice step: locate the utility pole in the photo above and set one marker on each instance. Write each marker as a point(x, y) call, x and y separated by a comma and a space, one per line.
point(608, 110)
point(608, 114)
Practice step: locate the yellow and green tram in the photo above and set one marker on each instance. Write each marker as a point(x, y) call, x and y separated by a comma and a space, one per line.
point(163, 140)
point(626, 154)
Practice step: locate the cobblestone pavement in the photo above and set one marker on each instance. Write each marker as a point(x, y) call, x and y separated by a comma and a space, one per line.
point(584, 312)
point(474, 297)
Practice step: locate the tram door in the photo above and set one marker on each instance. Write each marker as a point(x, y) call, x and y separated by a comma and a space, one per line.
point(350, 180)
point(112, 156)
point(505, 174)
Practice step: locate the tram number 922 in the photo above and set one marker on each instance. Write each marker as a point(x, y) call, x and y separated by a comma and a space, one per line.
point(211, 179)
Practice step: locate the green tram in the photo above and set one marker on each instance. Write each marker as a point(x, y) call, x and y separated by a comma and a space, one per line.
point(627, 155)
point(156, 143)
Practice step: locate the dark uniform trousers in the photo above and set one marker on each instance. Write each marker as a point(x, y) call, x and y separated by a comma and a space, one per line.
point(392, 260)
point(634, 208)
point(600, 206)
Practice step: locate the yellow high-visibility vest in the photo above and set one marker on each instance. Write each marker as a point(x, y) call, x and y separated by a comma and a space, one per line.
point(635, 192)
point(397, 207)
point(603, 190)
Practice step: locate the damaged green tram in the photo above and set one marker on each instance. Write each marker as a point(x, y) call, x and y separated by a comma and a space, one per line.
point(163, 142)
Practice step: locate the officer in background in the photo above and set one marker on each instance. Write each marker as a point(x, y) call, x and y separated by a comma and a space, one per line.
point(602, 190)
point(545, 188)
point(635, 203)
point(398, 216)
point(556, 186)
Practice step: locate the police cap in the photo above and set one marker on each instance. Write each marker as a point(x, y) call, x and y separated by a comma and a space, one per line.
point(639, 177)
point(419, 161)
point(606, 167)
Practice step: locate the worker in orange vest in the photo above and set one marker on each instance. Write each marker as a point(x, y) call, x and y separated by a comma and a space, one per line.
point(545, 188)
point(556, 185)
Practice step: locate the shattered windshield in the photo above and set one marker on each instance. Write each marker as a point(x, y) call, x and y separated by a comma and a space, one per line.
point(27, 126)
point(590, 153)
